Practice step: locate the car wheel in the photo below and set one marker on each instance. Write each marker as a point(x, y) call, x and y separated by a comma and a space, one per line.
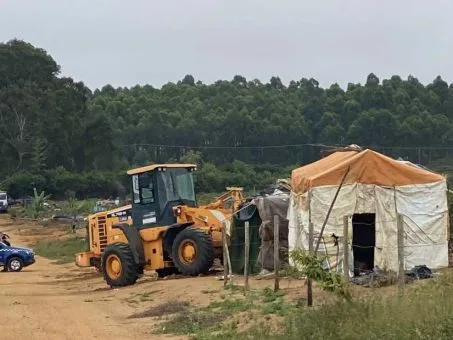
point(15, 264)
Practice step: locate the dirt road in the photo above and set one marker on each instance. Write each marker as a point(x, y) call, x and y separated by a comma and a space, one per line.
point(50, 301)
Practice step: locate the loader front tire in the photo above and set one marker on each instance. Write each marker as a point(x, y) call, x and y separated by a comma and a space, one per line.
point(118, 265)
point(192, 252)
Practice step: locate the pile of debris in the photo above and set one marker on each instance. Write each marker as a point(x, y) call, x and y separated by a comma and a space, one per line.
point(270, 205)
point(380, 278)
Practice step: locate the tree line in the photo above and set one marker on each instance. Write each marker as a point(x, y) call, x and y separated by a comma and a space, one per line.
point(59, 135)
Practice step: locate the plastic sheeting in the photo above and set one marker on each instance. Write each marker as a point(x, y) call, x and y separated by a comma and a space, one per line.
point(268, 207)
point(237, 251)
point(425, 215)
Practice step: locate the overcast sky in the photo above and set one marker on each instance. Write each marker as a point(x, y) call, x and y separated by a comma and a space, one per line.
point(128, 42)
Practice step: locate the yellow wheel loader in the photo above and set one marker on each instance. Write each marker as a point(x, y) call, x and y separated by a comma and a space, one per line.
point(163, 229)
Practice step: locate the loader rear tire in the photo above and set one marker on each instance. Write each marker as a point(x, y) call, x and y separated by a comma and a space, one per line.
point(192, 252)
point(118, 265)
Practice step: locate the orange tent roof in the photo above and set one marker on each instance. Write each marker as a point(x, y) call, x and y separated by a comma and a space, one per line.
point(366, 167)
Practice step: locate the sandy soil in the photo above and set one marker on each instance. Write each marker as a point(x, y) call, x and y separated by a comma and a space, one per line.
point(50, 301)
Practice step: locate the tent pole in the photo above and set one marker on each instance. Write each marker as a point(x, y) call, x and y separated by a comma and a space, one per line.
point(330, 209)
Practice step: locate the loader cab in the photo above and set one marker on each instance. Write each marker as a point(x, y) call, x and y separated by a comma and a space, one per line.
point(156, 189)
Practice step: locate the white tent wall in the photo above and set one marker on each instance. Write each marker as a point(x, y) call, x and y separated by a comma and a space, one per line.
point(425, 211)
point(386, 250)
point(424, 208)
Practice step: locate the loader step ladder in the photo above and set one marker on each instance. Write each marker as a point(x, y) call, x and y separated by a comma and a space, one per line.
point(102, 233)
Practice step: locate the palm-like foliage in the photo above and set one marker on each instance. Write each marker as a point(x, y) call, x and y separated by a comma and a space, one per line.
point(37, 204)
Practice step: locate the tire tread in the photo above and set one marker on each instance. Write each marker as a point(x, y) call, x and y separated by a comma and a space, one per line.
point(9, 261)
point(205, 258)
point(130, 268)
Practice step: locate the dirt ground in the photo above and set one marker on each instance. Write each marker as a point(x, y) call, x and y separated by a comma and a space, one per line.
point(54, 301)
point(50, 301)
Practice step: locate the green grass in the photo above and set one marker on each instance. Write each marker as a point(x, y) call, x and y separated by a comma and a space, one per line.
point(220, 318)
point(424, 312)
point(63, 207)
point(61, 250)
point(192, 322)
point(166, 308)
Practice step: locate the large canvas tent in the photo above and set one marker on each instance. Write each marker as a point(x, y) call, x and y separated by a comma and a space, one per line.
point(375, 191)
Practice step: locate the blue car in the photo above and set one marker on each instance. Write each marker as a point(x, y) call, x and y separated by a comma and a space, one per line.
point(13, 259)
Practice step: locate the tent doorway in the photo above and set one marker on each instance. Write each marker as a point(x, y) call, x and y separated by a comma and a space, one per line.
point(363, 241)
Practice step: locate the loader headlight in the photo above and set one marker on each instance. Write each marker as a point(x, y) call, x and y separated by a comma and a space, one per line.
point(177, 211)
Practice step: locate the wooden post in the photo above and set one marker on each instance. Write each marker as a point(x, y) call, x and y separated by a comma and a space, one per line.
point(276, 253)
point(230, 268)
point(225, 262)
point(246, 256)
point(310, 250)
point(400, 229)
point(346, 250)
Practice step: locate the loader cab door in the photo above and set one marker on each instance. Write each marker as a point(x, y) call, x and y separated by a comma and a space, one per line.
point(144, 205)
point(156, 192)
point(175, 186)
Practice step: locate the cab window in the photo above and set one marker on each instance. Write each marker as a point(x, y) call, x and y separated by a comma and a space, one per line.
point(146, 188)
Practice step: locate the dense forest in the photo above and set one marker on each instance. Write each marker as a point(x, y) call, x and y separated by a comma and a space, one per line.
point(57, 134)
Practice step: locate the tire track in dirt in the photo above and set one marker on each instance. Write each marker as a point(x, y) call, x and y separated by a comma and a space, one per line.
point(49, 301)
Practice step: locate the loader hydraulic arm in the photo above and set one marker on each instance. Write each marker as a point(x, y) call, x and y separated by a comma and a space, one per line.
point(234, 193)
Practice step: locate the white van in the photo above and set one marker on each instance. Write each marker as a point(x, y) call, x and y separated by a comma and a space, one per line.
point(3, 201)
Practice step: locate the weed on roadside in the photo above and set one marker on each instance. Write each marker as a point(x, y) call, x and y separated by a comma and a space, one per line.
point(166, 308)
point(63, 251)
point(192, 322)
point(141, 297)
point(220, 319)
